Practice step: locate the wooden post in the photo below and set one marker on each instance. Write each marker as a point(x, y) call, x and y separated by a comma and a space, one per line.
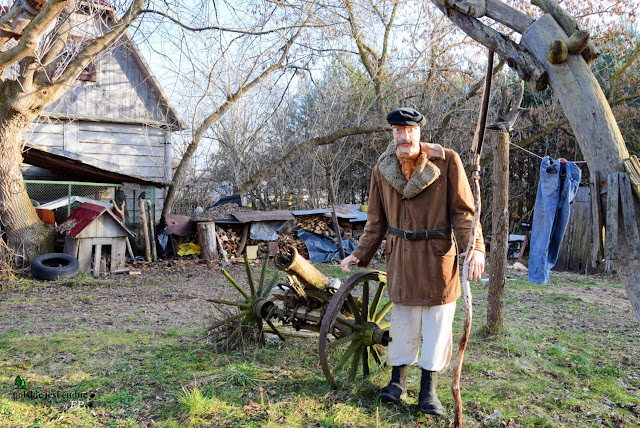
point(145, 228)
point(499, 233)
point(152, 229)
point(507, 115)
point(332, 199)
point(207, 240)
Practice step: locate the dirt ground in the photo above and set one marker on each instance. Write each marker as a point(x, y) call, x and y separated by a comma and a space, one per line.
point(163, 296)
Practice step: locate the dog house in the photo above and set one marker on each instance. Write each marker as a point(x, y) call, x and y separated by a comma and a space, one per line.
point(93, 233)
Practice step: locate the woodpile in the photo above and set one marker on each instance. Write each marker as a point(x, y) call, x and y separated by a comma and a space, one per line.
point(231, 235)
point(230, 238)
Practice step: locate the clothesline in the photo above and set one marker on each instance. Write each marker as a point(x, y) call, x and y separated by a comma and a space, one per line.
point(538, 156)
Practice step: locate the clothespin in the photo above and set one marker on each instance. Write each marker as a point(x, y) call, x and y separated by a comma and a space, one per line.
point(564, 161)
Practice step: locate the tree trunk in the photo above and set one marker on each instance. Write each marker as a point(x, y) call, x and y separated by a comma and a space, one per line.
point(26, 235)
point(593, 124)
point(499, 233)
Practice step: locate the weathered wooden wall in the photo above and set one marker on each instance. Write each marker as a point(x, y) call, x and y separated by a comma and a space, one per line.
point(123, 90)
point(135, 149)
point(575, 251)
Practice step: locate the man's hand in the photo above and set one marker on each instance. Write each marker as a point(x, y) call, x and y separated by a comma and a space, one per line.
point(476, 265)
point(349, 260)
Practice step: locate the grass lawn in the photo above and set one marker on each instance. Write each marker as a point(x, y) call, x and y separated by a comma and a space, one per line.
point(126, 352)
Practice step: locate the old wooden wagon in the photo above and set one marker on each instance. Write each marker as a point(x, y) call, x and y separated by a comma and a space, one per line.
point(351, 317)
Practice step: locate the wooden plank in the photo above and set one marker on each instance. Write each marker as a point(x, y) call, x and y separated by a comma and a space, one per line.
point(123, 128)
point(116, 137)
point(71, 137)
point(629, 216)
point(168, 152)
point(575, 249)
point(118, 248)
point(143, 171)
point(96, 260)
point(71, 247)
point(125, 161)
point(84, 254)
point(611, 236)
point(108, 147)
point(47, 128)
point(597, 249)
point(47, 140)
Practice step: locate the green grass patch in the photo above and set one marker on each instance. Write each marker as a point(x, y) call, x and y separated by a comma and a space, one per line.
point(561, 362)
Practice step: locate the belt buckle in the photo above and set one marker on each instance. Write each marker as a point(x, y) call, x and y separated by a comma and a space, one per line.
point(404, 232)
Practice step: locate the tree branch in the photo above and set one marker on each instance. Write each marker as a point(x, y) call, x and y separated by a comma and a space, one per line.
point(517, 57)
point(93, 49)
point(32, 34)
point(304, 147)
point(206, 124)
point(225, 29)
point(618, 72)
point(444, 123)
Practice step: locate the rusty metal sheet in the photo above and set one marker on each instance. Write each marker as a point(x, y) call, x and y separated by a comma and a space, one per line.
point(249, 216)
point(178, 225)
point(84, 215)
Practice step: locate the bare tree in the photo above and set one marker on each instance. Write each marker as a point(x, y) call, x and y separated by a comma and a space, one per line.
point(40, 64)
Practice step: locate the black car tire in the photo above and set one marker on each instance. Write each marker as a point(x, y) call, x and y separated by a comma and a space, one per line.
point(54, 266)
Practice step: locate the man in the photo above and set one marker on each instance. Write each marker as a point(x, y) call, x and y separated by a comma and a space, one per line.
point(419, 194)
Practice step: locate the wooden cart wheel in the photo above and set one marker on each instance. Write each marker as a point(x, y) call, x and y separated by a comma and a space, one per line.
point(354, 328)
point(252, 308)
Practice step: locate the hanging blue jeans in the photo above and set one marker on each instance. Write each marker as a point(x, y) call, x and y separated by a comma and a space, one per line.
point(557, 187)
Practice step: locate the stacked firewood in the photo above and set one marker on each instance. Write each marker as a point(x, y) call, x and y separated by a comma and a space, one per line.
point(230, 238)
point(294, 241)
point(316, 223)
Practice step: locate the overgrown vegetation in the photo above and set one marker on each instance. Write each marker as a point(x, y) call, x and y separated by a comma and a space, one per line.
point(567, 359)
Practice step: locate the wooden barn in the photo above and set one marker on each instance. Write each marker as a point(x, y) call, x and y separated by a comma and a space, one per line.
point(113, 126)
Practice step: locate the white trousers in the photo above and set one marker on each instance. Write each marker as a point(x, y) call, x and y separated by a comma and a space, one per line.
point(435, 324)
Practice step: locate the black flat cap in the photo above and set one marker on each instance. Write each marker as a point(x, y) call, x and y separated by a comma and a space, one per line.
point(406, 117)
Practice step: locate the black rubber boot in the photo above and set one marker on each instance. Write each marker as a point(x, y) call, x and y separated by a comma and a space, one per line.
point(396, 390)
point(428, 400)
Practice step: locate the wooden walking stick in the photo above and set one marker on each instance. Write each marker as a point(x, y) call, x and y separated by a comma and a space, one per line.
point(466, 289)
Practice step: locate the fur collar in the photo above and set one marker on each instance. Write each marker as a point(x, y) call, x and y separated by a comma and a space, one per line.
point(423, 175)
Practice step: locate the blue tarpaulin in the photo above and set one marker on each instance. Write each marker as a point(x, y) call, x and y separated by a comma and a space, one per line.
point(322, 249)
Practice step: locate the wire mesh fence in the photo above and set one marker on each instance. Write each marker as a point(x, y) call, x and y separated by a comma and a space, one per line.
point(63, 197)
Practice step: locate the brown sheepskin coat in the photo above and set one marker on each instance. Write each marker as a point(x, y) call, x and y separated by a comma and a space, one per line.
point(422, 272)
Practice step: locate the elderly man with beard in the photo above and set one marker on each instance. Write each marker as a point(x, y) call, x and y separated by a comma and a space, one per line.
point(419, 196)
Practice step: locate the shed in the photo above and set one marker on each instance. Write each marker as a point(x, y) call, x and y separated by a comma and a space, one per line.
point(88, 230)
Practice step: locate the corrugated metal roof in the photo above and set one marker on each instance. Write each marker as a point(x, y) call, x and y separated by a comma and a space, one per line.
point(82, 216)
point(311, 212)
point(248, 216)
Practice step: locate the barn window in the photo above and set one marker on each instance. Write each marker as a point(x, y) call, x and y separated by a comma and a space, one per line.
point(74, 46)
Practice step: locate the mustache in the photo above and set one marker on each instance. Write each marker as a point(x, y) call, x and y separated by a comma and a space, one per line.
point(403, 142)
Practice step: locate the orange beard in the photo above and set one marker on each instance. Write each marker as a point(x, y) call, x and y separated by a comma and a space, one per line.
point(408, 164)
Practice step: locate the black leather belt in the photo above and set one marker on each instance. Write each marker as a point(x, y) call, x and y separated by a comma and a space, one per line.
point(415, 235)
